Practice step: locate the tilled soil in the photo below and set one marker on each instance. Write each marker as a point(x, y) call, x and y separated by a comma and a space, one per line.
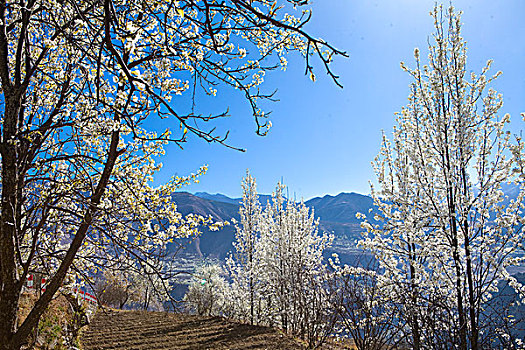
point(139, 330)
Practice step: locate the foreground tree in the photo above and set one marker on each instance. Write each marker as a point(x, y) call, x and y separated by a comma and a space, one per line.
point(80, 83)
point(448, 235)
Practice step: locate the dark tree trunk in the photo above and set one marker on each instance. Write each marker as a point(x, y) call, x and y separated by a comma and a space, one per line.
point(10, 337)
point(472, 307)
point(9, 284)
point(416, 333)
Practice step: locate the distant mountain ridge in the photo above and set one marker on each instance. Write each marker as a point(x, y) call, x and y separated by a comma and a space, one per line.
point(188, 203)
point(217, 197)
point(337, 215)
point(341, 208)
point(263, 198)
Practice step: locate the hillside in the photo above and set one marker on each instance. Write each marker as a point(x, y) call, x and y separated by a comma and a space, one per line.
point(214, 244)
point(341, 208)
point(188, 203)
point(139, 330)
point(336, 214)
point(263, 198)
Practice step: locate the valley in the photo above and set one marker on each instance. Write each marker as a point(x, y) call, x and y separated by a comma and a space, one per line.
point(337, 215)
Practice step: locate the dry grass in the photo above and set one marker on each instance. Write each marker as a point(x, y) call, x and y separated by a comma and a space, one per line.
point(138, 330)
point(53, 322)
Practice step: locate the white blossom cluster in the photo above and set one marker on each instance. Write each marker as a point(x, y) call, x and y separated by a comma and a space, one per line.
point(90, 96)
point(447, 234)
point(277, 274)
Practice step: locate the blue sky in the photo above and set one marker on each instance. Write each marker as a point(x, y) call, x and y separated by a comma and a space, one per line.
point(324, 138)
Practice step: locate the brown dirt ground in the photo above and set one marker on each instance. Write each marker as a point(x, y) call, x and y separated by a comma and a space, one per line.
point(138, 330)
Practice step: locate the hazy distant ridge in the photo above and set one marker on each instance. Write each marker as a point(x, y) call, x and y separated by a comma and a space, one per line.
point(336, 213)
point(341, 208)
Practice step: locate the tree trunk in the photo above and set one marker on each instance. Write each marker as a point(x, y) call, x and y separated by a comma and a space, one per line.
point(416, 334)
point(451, 201)
point(10, 337)
point(9, 284)
point(459, 291)
point(470, 275)
point(472, 310)
point(250, 271)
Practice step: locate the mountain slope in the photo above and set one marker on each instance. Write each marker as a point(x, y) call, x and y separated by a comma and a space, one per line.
point(218, 197)
point(341, 208)
point(263, 198)
point(336, 213)
point(188, 203)
point(210, 244)
point(335, 209)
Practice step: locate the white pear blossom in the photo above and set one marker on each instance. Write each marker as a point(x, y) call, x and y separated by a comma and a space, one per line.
point(448, 234)
point(83, 85)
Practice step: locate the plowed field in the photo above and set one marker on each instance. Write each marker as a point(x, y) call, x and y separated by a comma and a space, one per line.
point(139, 330)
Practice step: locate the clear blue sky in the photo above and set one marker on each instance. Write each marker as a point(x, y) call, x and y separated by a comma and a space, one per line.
point(324, 138)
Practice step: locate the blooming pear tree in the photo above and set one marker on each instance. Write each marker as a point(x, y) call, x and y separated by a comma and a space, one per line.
point(291, 262)
point(208, 291)
point(448, 234)
point(242, 266)
point(365, 310)
point(278, 277)
point(81, 86)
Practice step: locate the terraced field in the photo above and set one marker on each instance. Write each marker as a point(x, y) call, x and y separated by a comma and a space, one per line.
point(137, 330)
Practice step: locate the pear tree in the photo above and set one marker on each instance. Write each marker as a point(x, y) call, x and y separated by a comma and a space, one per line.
point(84, 88)
point(448, 235)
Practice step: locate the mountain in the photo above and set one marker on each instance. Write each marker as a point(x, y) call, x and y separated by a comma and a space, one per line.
point(220, 210)
point(218, 198)
point(341, 208)
point(214, 244)
point(263, 198)
point(336, 214)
